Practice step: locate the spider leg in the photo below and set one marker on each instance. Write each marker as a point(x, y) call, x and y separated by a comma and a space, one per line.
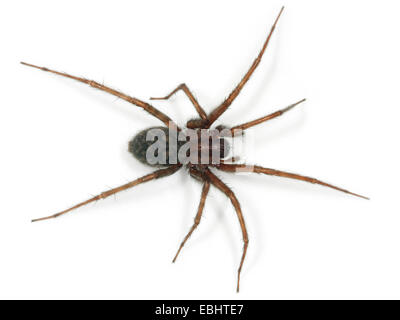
point(155, 175)
point(206, 188)
point(278, 113)
point(217, 112)
point(229, 193)
point(147, 107)
point(273, 172)
point(189, 94)
point(230, 160)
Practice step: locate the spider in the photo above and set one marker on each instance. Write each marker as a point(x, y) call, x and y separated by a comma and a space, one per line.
point(200, 171)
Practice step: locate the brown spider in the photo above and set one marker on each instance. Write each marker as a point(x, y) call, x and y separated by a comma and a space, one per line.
point(200, 171)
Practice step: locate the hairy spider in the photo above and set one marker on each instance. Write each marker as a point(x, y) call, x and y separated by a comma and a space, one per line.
point(139, 146)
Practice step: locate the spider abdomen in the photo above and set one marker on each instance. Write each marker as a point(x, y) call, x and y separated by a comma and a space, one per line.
point(141, 143)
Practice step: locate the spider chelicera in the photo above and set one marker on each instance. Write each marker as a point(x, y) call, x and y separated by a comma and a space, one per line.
point(200, 171)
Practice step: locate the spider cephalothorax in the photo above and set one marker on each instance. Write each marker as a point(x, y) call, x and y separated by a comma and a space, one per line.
point(213, 153)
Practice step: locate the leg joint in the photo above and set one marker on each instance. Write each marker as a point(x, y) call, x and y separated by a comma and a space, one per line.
point(93, 84)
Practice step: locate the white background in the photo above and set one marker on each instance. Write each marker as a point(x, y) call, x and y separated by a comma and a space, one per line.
point(63, 141)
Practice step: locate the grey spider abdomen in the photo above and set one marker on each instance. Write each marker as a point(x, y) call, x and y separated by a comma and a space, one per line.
point(139, 145)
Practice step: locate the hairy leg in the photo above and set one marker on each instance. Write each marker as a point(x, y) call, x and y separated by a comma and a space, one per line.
point(186, 90)
point(155, 175)
point(204, 193)
point(253, 123)
point(147, 107)
point(230, 160)
point(217, 112)
point(229, 193)
point(273, 172)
